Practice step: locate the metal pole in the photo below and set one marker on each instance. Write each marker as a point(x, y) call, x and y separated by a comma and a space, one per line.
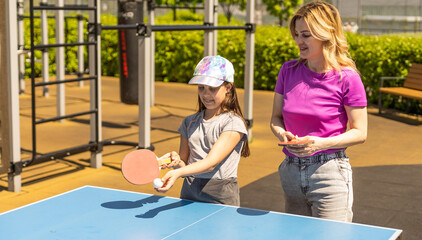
point(9, 40)
point(208, 20)
point(359, 21)
point(45, 59)
point(215, 13)
point(94, 86)
point(60, 63)
point(21, 43)
point(339, 7)
point(249, 67)
point(144, 87)
point(151, 20)
point(80, 48)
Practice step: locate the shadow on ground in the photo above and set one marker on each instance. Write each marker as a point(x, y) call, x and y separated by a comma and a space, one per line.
point(399, 117)
point(387, 196)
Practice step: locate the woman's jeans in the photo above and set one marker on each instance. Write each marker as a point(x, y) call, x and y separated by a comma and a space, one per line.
point(318, 186)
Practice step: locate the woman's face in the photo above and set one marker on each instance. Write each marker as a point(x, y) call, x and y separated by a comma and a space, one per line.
point(310, 47)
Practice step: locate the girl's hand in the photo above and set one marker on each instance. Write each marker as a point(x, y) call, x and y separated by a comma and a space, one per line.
point(169, 179)
point(304, 150)
point(175, 163)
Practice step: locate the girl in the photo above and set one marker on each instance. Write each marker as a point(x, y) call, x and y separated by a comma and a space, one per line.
point(315, 97)
point(212, 140)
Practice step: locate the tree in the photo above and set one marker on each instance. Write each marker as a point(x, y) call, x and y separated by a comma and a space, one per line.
point(228, 7)
point(282, 9)
point(174, 4)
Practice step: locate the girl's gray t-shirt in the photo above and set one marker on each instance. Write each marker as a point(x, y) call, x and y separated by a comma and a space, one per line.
point(202, 134)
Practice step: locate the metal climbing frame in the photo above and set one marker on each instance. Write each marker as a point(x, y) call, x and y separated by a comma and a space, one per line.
point(145, 78)
point(210, 48)
point(94, 145)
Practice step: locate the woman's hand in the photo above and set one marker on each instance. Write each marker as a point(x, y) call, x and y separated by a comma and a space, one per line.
point(304, 150)
point(286, 136)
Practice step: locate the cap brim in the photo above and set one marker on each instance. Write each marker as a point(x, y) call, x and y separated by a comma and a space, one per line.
point(206, 80)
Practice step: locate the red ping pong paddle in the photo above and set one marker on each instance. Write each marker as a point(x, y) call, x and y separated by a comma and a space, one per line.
point(142, 166)
point(295, 142)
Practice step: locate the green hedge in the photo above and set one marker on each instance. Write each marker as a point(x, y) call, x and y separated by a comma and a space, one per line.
point(109, 46)
point(177, 53)
point(387, 55)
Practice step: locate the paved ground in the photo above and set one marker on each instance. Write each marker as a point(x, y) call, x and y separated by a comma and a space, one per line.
point(387, 168)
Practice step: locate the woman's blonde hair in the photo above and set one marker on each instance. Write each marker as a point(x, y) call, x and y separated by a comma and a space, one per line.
point(324, 23)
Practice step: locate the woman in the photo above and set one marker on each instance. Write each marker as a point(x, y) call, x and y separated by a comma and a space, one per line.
point(315, 98)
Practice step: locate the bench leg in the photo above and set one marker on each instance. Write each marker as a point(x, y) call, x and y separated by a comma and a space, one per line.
point(379, 102)
point(408, 105)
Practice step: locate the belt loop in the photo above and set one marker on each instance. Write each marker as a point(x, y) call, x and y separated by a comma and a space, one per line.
point(340, 154)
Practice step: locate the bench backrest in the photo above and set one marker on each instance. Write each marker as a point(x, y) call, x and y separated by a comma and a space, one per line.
point(414, 78)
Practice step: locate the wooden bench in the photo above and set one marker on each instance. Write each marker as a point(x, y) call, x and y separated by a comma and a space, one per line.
point(411, 89)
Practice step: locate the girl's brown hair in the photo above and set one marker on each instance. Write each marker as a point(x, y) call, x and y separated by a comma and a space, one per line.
point(230, 104)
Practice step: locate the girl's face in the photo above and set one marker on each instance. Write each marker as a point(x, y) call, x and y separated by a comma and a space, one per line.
point(310, 47)
point(212, 97)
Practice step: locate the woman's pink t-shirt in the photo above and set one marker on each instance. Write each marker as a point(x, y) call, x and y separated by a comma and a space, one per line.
point(314, 102)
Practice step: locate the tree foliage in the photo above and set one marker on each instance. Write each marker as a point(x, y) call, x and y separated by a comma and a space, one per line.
point(282, 9)
point(229, 6)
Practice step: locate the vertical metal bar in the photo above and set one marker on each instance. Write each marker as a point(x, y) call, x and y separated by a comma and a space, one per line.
point(33, 106)
point(80, 48)
point(45, 59)
point(420, 15)
point(151, 20)
point(249, 66)
point(208, 34)
point(144, 56)
point(95, 94)
point(14, 180)
point(215, 13)
point(21, 43)
point(60, 63)
point(359, 17)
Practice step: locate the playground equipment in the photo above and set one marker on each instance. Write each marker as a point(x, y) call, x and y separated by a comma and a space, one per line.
point(10, 159)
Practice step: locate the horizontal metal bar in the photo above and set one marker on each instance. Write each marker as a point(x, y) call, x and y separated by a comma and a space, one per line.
point(65, 81)
point(178, 7)
point(158, 28)
point(392, 78)
point(117, 27)
point(42, 46)
point(59, 154)
point(66, 7)
point(126, 143)
point(65, 17)
point(64, 117)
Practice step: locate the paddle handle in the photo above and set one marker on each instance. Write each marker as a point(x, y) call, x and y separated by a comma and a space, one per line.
point(162, 161)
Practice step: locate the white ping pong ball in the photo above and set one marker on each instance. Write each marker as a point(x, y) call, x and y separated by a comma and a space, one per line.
point(157, 183)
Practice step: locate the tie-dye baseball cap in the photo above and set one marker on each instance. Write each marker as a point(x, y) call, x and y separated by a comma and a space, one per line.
point(213, 71)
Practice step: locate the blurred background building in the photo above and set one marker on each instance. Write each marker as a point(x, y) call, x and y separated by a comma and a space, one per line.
point(382, 16)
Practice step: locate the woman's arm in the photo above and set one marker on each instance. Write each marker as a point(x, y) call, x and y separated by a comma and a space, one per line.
point(277, 124)
point(358, 123)
point(219, 151)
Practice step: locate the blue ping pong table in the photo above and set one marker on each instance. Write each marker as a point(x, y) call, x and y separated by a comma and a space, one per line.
point(101, 213)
